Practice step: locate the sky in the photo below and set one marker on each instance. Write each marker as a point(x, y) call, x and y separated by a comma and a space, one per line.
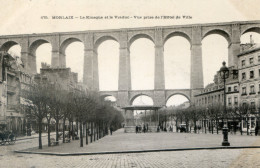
point(25, 17)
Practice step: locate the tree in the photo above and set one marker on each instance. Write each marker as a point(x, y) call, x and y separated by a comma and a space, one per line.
point(244, 112)
point(204, 114)
point(215, 113)
point(37, 97)
point(194, 115)
point(56, 105)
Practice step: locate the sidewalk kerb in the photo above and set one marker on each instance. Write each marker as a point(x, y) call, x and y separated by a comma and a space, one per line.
point(136, 151)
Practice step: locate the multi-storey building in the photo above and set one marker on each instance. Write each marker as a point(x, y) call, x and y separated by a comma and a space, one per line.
point(13, 80)
point(214, 92)
point(242, 86)
point(249, 80)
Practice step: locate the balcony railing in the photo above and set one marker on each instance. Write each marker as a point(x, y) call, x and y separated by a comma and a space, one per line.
point(11, 88)
point(11, 106)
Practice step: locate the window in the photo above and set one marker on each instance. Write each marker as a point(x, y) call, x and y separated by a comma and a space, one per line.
point(229, 101)
point(253, 105)
point(235, 101)
point(258, 72)
point(251, 74)
point(251, 60)
point(243, 76)
point(244, 105)
point(229, 89)
point(243, 90)
point(235, 74)
point(235, 88)
point(252, 89)
point(243, 63)
point(258, 58)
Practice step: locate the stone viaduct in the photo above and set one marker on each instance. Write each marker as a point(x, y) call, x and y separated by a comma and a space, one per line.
point(194, 33)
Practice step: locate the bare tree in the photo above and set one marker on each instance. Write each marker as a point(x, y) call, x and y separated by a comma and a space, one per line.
point(37, 97)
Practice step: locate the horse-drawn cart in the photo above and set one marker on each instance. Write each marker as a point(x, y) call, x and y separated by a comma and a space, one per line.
point(7, 137)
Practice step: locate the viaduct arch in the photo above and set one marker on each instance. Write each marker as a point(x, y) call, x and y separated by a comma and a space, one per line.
point(194, 33)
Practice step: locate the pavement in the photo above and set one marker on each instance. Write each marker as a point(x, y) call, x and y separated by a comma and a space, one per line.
point(170, 159)
point(20, 138)
point(121, 142)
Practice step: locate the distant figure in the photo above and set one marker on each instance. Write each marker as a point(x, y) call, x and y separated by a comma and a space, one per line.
point(136, 129)
point(111, 130)
point(256, 130)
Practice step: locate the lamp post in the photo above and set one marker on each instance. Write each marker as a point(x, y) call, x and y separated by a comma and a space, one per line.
point(224, 74)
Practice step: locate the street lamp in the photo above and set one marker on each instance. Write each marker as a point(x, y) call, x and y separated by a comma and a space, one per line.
point(224, 74)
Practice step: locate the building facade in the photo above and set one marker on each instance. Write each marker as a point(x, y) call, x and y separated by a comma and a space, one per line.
point(249, 80)
point(14, 79)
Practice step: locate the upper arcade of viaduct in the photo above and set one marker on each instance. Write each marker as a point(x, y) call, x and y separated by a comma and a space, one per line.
point(194, 33)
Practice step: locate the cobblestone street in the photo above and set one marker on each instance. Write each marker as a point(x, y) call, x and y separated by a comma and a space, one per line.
point(193, 158)
point(121, 141)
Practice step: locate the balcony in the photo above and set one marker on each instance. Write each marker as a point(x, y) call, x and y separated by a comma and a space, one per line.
point(11, 107)
point(251, 93)
point(243, 94)
point(11, 89)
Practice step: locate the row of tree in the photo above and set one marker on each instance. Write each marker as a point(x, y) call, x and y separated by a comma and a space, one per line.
point(50, 101)
point(213, 114)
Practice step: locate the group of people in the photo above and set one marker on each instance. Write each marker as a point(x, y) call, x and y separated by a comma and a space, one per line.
point(139, 128)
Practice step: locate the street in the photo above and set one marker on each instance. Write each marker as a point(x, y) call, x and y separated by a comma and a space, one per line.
point(190, 158)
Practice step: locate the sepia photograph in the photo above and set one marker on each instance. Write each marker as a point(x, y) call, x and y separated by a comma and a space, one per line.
point(130, 84)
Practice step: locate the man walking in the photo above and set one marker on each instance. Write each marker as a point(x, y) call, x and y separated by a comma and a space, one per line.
point(111, 130)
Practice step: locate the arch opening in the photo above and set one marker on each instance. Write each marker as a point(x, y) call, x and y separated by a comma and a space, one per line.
point(111, 99)
point(39, 52)
point(180, 34)
point(140, 36)
point(218, 32)
point(108, 65)
point(104, 39)
point(15, 51)
point(214, 52)
point(178, 101)
point(74, 57)
point(250, 37)
point(8, 45)
point(252, 29)
point(141, 99)
point(142, 64)
point(177, 59)
point(66, 43)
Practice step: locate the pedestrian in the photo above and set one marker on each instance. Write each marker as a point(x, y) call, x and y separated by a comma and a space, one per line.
point(136, 129)
point(256, 129)
point(111, 130)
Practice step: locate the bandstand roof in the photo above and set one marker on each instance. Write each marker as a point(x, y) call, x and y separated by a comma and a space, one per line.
point(142, 107)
